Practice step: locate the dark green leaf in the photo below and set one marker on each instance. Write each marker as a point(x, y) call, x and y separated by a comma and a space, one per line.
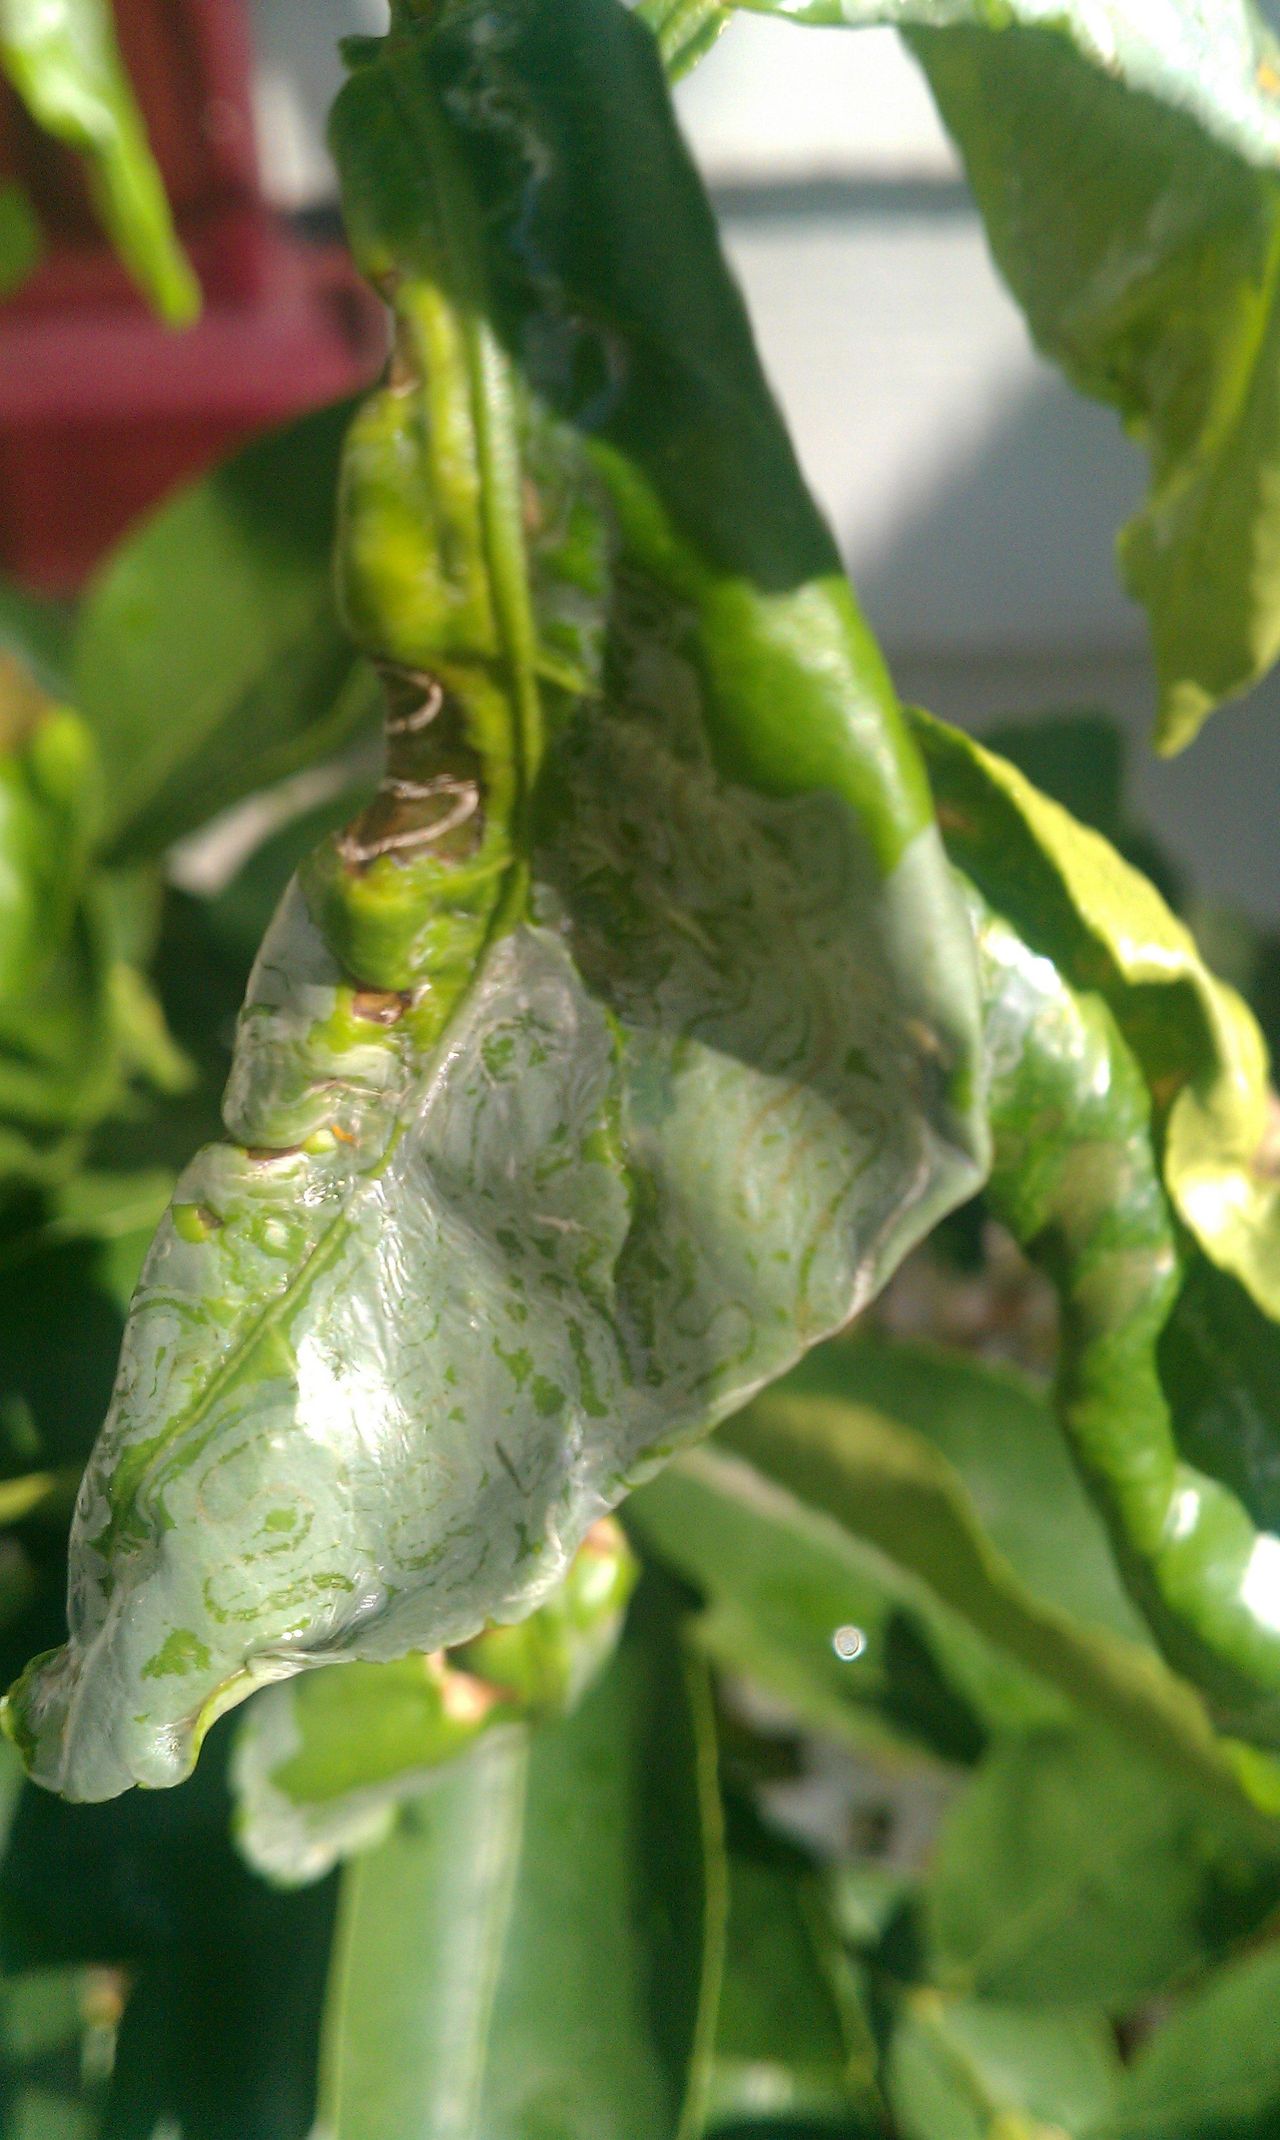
point(21, 243)
point(1212, 2071)
point(794, 2039)
point(1220, 1363)
point(535, 1953)
point(1073, 1872)
point(62, 1309)
point(220, 2034)
point(997, 1430)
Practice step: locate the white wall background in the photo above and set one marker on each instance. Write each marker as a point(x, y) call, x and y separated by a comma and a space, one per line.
point(975, 497)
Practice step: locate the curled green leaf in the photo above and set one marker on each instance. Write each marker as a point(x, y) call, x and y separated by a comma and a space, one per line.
point(623, 1047)
point(1077, 1181)
point(1072, 897)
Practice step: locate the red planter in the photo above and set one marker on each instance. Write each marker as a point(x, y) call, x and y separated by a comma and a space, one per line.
point(103, 409)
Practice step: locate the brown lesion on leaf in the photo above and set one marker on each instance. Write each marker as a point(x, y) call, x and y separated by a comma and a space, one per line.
point(430, 799)
point(404, 372)
point(381, 1006)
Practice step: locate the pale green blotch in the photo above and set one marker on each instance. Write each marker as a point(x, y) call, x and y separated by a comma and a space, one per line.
point(179, 1653)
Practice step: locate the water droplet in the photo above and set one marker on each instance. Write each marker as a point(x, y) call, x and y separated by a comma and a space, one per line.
point(848, 1643)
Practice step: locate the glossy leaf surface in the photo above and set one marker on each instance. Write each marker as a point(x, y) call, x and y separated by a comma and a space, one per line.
point(62, 57)
point(1076, 1179)
point(444, 1300)
point(1205, 1068)
point(1074, 899)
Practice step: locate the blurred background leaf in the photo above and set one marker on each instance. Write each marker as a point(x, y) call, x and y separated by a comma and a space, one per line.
point(209, 658)
point(62, 57)
point(21, 243)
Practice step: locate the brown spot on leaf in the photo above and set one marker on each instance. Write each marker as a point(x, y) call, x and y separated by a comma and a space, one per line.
point(381, 1006)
